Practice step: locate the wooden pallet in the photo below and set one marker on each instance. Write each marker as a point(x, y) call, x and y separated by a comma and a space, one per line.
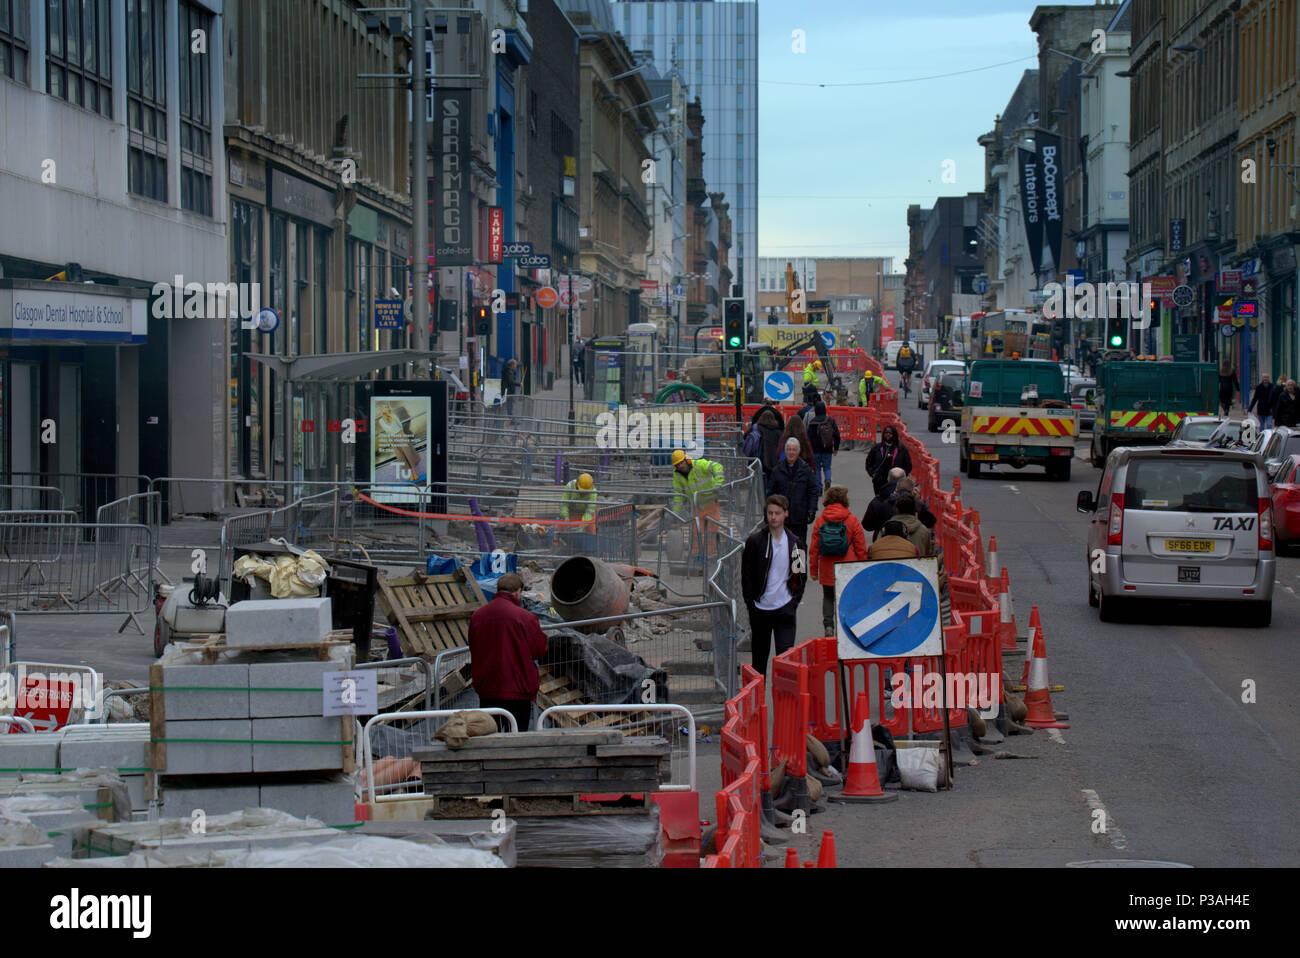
point(212, 645)
point(430, 612)
point(533, 806)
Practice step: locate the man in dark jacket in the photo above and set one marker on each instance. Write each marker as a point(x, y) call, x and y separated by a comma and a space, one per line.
point(822, 450)
point(773, 573)
point(794, 479)
point(771, 424)
point(885, 455)
point(884, 507)
point(1286, 407)
point(1229, 386)
point(1264, 396)
point(504, 639)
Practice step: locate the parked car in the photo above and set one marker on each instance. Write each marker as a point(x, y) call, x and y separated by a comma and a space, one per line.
point(933, 370)
point(1226, 435)
point(1194, 430)
point(1083, 394)
point(1284, 490)
point(1180, 523)
point(1283, 442)
point(946, 399)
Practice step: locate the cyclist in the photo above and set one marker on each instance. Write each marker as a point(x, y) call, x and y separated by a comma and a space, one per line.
point(905, 364)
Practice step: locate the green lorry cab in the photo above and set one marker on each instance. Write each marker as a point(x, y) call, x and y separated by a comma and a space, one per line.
point(1139, 402)
point(1017, 411)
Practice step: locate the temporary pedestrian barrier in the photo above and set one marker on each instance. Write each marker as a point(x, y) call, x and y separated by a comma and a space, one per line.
point(75, 567)
point(743, 748)
point(792, 709)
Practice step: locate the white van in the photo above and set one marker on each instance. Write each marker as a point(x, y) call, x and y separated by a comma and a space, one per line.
point(891, 352)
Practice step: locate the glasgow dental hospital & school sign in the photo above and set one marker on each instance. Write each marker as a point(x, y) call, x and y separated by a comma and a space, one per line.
point(33, 312)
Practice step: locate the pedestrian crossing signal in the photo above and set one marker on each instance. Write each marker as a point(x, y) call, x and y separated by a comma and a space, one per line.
point(733, 324)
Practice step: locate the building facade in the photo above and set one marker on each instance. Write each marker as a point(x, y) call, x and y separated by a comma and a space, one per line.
point(714, 48)
point(122, 190)
point(320, 219)
point(1007, 267)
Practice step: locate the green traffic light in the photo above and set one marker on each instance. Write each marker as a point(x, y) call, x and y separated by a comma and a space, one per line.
point(734, 341)
point(1117, 340)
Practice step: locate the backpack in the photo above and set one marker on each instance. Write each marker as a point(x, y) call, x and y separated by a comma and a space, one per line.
point(753, 444)
point(833, 539)
point(826, 433)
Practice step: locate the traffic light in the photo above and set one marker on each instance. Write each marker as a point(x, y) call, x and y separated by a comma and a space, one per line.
point(482, 325)
point(734, 331)
point(1116, 334)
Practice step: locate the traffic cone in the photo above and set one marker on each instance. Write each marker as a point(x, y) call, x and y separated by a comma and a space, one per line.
point(791, 858)
point(1035, 633)
point(991, 571)
point(826, 856)
point(862, 784)
point(1038, 699)
point(1006, 614)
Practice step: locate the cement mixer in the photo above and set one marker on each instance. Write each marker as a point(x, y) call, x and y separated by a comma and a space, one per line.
point(586, 588)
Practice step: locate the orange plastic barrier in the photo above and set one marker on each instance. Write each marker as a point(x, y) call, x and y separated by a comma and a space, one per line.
point(791, 706)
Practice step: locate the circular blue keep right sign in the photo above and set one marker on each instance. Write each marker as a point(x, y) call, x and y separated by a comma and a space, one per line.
point(888, 609)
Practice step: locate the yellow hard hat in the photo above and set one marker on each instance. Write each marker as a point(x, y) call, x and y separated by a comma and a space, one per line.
point(678, 456)
point(585, 482)
point(817, 364)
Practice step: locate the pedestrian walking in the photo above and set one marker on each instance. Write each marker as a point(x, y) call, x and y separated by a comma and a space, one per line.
point(824, 434)
point(695, 487)
point(885, 455)
point(504, 642)
point(796, 428)
point(884, 507)
point(510, 386)
point(1264, 396)
point(1286, 407)
point(917, 532)
point(770, 424)
point(794, 479)
point(579, 364)
point(773, 574)
point(836, 537)
point(894, 544)
point(1229, 386)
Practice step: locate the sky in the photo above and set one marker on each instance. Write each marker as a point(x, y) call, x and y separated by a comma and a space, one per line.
point(839, 165)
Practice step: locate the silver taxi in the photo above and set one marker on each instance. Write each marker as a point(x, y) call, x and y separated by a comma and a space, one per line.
point(1181, 523)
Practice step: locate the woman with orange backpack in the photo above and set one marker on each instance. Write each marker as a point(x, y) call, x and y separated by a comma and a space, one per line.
point(836, 537)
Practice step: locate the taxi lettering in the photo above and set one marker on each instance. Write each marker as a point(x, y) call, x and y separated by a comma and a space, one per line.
point(1234, 523)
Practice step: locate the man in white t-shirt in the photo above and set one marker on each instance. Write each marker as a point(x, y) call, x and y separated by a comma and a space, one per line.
point(773, 573)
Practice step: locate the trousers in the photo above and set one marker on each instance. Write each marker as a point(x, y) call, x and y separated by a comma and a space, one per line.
point(766, 626)
point(521, 709)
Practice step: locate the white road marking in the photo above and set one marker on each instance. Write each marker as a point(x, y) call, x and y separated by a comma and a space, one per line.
point(1112, 833)
point(1012, 488)
point(1055, 735)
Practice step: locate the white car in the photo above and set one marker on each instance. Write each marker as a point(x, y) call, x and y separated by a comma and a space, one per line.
point(933, 370)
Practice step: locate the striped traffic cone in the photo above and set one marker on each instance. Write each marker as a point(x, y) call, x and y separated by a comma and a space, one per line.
point(1035, 632)
point(1038, 699)
point(862, 784)
point(1006, 614)
point(826, 855)
point(991, 566)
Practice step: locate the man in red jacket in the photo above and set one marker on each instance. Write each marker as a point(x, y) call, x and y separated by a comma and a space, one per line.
point(504, 639)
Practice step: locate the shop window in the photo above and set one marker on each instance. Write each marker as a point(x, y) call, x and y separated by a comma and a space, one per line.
point(78, 59)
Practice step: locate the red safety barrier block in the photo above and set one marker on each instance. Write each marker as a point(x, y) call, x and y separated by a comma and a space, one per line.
point(791, 705)
point(679, 826)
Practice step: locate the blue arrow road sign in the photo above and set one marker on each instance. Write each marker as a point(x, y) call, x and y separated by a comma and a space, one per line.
point(828, 338)
point(887, 609)
point(778, 386)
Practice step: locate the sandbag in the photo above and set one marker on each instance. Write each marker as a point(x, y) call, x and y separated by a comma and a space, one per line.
point(776, 778)
point(814, 788)
point(817, 752)
point(918, 768)
point(462, 726)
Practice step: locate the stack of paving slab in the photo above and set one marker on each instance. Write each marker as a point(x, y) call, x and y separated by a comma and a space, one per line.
point(259, 838)
point(242, 727)
point(122, 747)
point(40, 813)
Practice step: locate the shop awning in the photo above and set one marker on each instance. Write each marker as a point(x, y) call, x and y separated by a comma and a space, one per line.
point(331, 367)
